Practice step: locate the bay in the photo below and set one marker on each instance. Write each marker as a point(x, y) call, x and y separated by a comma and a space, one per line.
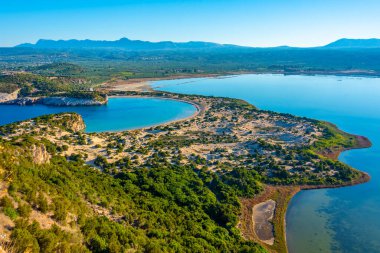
point(119, 114)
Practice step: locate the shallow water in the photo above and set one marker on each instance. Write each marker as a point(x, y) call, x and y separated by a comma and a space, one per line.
point(119, 114)
point(329, 220)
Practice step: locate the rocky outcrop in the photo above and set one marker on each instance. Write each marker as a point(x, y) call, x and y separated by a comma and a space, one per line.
point(71, 122)
point(75, 123)
point(40, 154)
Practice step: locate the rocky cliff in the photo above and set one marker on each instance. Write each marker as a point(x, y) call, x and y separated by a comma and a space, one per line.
point(55, 101)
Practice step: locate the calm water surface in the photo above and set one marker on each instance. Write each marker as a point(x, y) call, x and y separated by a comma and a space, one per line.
point(118, 114)
point(332, 220)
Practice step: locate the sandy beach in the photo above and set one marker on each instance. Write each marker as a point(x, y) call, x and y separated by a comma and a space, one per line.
point(143, 84)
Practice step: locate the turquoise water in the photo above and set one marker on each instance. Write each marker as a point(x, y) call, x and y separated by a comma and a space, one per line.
point(119, 114)
point(329, 220)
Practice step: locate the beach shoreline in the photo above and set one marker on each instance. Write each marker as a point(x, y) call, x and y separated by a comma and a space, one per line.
point(144, 84)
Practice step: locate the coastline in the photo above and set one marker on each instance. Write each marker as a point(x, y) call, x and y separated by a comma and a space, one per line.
point(143, 84)
point(283, 195)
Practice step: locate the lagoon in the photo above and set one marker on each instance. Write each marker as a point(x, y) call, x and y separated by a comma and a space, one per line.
point(328, 220)
point(119, 114)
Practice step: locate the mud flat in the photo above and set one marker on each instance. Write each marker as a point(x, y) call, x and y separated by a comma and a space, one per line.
point(262, 215)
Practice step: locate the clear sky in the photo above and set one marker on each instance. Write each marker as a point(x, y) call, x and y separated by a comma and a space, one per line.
point(242, 22)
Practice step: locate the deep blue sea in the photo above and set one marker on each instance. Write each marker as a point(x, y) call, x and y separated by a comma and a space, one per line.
point(329, 220)
point(119, 114)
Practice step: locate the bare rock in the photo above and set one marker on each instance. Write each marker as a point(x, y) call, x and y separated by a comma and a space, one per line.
point(40, 154)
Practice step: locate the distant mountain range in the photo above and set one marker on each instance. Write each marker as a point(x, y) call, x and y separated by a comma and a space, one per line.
point(355, 43)
point(139, 45)
point(125, 43)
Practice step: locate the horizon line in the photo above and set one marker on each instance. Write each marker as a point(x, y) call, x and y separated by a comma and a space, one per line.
point(189, 41)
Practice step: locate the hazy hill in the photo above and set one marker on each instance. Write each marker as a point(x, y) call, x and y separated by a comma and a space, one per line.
point(139, 45)
point(124, 43)
point(354, 43)
point(101, 60)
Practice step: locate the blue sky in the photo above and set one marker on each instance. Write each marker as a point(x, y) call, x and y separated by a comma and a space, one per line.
point(242, 22)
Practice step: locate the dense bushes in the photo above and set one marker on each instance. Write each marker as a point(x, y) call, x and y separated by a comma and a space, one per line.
point(166, 209)
point(31, 238)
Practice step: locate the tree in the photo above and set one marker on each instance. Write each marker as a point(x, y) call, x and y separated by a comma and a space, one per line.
point(24, 241)
point(24, 210)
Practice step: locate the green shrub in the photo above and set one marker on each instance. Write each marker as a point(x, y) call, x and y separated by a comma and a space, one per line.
point(10, 212)
point(24, 210)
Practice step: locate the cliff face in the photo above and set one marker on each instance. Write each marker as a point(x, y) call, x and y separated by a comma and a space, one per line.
point(54, 101)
